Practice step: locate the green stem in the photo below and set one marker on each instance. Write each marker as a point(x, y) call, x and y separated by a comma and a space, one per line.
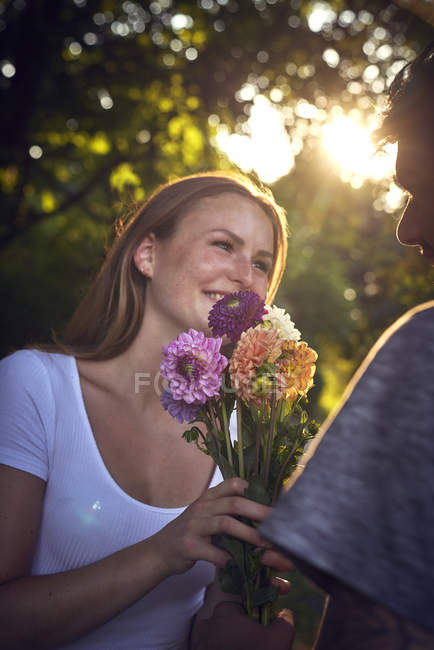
point(227, 434)
point(213, 427)
point(280, 407)
point(213, 430)
point(258, 445)
point(248, 601)
point(266, 608)
point(266, 614)
point(240, 438)
point(282, 472)
point(271, 431)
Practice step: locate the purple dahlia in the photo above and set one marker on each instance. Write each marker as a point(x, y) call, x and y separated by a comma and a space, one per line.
point(179, 409)
point(235, 313)
point(193, 367)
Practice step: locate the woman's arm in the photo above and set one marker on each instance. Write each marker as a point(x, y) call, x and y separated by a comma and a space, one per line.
point(44, 611)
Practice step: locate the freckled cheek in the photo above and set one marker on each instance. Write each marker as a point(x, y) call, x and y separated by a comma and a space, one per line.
point(261, 288)
point(210, 263)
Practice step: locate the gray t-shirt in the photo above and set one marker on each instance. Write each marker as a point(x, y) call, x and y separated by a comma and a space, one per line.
point(363, 509)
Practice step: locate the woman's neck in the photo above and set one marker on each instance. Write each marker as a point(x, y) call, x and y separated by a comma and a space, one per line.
point(135, 373)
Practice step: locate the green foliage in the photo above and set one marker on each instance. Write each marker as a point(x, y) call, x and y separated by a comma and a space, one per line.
point(107, 92)
point(117, 99)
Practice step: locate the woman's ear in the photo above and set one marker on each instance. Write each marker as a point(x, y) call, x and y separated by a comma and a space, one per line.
point(144, 255)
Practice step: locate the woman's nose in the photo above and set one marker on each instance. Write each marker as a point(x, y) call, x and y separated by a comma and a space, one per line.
point(242, 272)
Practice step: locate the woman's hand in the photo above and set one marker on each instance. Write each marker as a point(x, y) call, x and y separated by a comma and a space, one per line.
point(231, 629)
point(188, 537)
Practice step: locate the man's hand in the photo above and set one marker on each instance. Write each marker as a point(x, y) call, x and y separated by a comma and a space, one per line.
point(231, 629)
point(277, 561)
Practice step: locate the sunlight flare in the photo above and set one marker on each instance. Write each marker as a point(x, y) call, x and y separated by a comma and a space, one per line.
point(351, 147)
point(265, 147)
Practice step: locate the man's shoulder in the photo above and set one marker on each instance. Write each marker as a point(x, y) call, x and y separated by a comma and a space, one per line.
point(420, 316)
point(409, 336)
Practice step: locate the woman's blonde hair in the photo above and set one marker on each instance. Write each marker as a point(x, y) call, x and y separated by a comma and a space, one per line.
point(109, 317)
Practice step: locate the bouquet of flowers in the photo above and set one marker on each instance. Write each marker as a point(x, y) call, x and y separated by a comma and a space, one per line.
point(264, 378)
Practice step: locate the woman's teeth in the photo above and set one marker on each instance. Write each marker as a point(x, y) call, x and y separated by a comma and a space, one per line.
point(214, 295)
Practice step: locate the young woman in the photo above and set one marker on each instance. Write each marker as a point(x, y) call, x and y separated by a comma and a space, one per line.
point(106, 513)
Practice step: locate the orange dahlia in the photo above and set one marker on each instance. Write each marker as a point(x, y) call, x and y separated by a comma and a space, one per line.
point(256, 346)
point(297, 367)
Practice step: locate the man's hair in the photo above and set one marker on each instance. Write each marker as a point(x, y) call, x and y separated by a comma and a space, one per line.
point(409, 111)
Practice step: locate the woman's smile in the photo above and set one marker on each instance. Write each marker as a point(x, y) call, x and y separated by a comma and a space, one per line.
point(222, 245)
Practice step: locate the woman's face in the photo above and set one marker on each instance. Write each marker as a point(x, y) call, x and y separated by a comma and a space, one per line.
point(223, 244)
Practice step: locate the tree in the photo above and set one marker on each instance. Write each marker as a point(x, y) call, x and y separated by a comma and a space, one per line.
point(102, 101)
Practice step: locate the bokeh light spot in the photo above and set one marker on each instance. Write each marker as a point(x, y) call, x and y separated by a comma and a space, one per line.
point(191, 54)
point(75, 48)
point(143, 136)
point(331, 57)
point(179, 22)
point(321, 14)
point(35, 152)
point(267, 149)
point(8, 69)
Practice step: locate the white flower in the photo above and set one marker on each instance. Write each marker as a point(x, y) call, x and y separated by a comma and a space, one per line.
point(281, 321)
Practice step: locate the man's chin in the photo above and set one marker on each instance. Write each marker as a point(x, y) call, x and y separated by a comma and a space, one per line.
point(428, 254)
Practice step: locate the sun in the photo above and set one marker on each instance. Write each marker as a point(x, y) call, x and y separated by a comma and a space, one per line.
point(262, 144)
point(350, 145)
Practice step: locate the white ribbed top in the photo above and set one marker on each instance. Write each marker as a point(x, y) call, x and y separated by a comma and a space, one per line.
point(44, 430)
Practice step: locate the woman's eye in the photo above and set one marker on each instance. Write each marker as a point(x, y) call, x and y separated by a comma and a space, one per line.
point(225, 245)
point(262, 266)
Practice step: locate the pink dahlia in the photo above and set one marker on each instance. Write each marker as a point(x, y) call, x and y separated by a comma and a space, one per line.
point(193, 367)
point(235, 313)
point(255, 347)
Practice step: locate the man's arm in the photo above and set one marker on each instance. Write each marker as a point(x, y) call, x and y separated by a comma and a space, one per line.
point(230, 628)
point(352, 621)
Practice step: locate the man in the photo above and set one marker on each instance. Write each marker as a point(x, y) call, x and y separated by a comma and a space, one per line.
point(359, 520)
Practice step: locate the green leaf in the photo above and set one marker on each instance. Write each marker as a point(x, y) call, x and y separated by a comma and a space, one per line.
point(230, 578)
point(213, 450)
point(257, 491)
point(267, 368)
point(249, 459)
point(313, 427)
point(225, 467)
point(191, 435)
point(233, 546)
point(253, 562)
point(249, 426)
point(264, 595)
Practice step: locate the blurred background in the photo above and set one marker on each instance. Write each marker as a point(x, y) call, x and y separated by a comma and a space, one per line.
point(101, 101)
